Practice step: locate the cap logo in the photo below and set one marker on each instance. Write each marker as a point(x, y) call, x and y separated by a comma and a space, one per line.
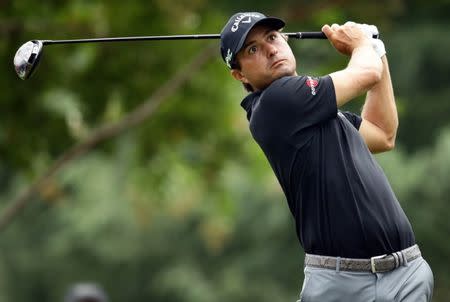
point(228, 58)
point(242, 18)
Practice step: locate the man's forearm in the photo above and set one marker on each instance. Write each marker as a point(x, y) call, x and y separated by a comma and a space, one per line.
point(379, 107)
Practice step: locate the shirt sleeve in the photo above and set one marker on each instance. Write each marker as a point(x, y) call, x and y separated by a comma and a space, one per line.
point(296, 103)
point(354, 119)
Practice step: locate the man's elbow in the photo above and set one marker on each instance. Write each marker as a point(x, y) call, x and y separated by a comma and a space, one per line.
point(388, 144)
point(382, 145)
point(391, 136)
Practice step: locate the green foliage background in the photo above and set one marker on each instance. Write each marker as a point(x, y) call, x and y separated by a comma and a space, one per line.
point(185, 207)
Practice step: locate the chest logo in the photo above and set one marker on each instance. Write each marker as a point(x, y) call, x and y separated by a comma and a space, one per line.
point(312, 83)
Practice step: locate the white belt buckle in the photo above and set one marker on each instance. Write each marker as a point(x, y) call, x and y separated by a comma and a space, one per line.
point(372, 262)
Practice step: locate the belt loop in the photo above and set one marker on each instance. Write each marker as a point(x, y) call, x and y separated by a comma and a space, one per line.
point(405, 259)
point(396, 260)
point(401, 258)
point(338, 264)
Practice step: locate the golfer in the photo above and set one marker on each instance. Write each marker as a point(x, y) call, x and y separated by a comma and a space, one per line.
point(358, 241)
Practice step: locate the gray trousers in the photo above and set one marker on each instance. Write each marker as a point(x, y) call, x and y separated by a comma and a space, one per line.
point(411, 282)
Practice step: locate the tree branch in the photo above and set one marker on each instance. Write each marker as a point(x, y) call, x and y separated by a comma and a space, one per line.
point(137, 116)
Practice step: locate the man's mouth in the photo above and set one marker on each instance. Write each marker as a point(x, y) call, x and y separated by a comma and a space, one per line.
point(277, 62)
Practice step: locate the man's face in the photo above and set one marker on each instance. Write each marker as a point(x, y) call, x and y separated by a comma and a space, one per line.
point(265, 57)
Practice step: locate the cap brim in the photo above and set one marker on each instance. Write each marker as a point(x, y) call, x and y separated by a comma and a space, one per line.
point(276, 23)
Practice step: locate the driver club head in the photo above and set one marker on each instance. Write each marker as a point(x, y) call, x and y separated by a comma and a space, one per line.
point(27, 58)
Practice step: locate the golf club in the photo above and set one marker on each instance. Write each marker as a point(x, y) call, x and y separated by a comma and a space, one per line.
point(28, 55)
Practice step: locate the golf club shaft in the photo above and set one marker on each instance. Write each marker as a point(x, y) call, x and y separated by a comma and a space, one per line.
point(297, 35)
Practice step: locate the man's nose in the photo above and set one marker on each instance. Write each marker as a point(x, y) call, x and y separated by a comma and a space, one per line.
point(271, 50)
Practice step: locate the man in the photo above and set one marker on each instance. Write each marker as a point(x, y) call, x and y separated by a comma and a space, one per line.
point(359, 243)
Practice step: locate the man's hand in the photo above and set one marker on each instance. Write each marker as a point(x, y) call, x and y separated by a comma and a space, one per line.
point(364, 68)
point(346, 38)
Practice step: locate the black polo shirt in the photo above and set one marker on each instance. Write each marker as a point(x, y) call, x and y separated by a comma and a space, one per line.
point(339, 196)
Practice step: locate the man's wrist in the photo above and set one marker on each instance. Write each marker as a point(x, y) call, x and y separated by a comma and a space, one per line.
point(364, 46)
point(379, 48)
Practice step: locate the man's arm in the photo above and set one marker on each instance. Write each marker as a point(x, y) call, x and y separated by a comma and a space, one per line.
point(364, 68)
point(366, 72)
point(379, 114)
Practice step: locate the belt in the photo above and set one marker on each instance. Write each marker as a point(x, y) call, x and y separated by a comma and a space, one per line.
point(377, 264)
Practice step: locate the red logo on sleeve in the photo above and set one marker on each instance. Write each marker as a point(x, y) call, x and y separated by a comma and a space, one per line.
point(312, 83)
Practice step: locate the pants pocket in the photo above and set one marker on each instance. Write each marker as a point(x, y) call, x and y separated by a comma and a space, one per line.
point(418, 287)
point(306, 282)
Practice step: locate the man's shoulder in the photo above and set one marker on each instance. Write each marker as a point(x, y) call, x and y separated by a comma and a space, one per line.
point(286, 80)
point(303, 85)
point(282, 87)
point(296, 82)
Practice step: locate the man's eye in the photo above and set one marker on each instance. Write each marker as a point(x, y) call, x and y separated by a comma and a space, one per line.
point(252, 50)
point(273, 37)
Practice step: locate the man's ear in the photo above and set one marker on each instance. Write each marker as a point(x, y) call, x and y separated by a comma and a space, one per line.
point(238, 75)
